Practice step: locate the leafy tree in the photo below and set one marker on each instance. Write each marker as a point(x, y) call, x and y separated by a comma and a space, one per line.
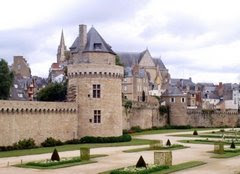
point(53, 92)
point(6, 80)
point(195, 132)
point(117, 61)
point(232, 146)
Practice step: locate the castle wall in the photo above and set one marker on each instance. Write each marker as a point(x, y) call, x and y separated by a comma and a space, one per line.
point(217, 119)
point(38, 120)
point(143, 115)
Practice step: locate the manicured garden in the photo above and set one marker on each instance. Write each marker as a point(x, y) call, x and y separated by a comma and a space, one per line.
point(157, 169)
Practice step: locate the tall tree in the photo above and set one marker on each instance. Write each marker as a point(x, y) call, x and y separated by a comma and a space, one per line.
point(53, 92)
point(6, 80)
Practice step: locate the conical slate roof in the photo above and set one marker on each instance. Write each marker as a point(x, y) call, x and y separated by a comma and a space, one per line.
point(95, 43)
point(93, 38)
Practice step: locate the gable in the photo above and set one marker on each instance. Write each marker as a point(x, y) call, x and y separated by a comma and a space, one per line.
point(146, 59)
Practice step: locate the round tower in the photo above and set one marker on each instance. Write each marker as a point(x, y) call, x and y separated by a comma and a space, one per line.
point(95, 84)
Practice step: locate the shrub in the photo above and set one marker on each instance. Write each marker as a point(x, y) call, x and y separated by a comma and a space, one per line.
point(72, 141)
point(125, 131)
point(136, 129)
point(128, 104)
point(85, 153)
point(195, 132)
point(163, 109)
point(24, 144)
point(51, 142)
point(141, 163)
point(55, 156)
point(131, 170)
point(90, 139)
point(168, 143)
point(232, 146)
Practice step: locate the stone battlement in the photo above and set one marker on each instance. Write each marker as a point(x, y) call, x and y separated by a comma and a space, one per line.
point(86, 70)
point(32, 106)
point(215, 112)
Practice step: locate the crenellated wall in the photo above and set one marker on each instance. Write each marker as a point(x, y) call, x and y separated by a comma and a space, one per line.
point(38, 120)
point(143, 115)
point(216, 119)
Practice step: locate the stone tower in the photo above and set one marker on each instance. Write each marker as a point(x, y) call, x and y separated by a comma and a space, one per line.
point(95, 84)
point(61, 50)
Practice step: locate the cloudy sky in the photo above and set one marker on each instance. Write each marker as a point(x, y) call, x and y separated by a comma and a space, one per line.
point(194, 38)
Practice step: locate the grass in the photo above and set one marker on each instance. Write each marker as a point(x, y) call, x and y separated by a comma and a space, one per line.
point(206, 136)
point(173, 147)
point(174, 168)
point(227, 153)
point(70, 147)
point(202, 141)
point(62, 164)
point(162, 131)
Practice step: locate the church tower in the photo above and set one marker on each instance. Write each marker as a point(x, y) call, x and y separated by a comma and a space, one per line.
point(94, 82)
point(61, 50)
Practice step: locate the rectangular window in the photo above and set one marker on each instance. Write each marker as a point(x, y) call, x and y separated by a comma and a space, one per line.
point(183, 100)
point(96, 91)
point(97, 116)
point(172, 100)
point(97, 46)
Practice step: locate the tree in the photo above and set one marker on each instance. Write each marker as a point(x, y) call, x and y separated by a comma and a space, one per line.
point(117, 61)
point(6, 80)
point(53, 92)
point(195, 132)
point(168, 143)
point(55, 156)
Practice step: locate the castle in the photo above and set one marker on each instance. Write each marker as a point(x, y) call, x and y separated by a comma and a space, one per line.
point(96, 88)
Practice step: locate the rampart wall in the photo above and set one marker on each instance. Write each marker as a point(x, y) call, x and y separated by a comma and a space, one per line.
point(38, 120)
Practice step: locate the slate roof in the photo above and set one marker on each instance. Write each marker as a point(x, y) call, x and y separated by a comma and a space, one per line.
point(128, 59)
point(93, 37)
point(210, 95)
point(158, 62)
point(173, 91)
point(182, 82)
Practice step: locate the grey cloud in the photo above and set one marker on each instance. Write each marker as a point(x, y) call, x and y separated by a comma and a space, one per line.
point(178, 25)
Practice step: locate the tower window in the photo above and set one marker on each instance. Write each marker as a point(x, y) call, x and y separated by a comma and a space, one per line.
point(96, 91)
point(183, 100)
point(97, 116)
point(97, 46)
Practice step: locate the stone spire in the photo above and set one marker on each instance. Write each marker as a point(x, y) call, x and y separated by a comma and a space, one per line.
point(61, 50)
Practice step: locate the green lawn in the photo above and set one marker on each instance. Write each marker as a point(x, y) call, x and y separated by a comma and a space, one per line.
point(174, 168)
point(203, 141)
point(227, 153)
point(162, 131)
point(173, 147)
point(63, 148)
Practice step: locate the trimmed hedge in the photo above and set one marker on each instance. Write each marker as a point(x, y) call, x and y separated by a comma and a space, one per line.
point(51, 142)
point(90, 139)
point(22, 144)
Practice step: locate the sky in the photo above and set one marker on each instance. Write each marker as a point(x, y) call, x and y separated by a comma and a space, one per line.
point(194, 38)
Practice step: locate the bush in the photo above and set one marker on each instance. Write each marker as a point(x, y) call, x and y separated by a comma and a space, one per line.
point(24, 144)
point(144, 171)
point(136, 129)
point(72, 141)
point(168, 143)
point(51, 142)
point(55, 156)
point(232, 146)
point(90, 139)
point(195, 132)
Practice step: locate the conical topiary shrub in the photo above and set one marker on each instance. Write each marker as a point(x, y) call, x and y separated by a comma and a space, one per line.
point(195, 132)
point(141, 163)
point(55, 156)
point(168, 143)
point(232, 145)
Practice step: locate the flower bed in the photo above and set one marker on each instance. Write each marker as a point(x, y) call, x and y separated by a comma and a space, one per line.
point(48, 163)
point(142, 170)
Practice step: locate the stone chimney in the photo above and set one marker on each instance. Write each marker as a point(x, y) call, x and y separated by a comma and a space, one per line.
point(83, 36)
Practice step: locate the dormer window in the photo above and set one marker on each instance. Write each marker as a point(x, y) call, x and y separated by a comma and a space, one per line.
point(97, 46)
